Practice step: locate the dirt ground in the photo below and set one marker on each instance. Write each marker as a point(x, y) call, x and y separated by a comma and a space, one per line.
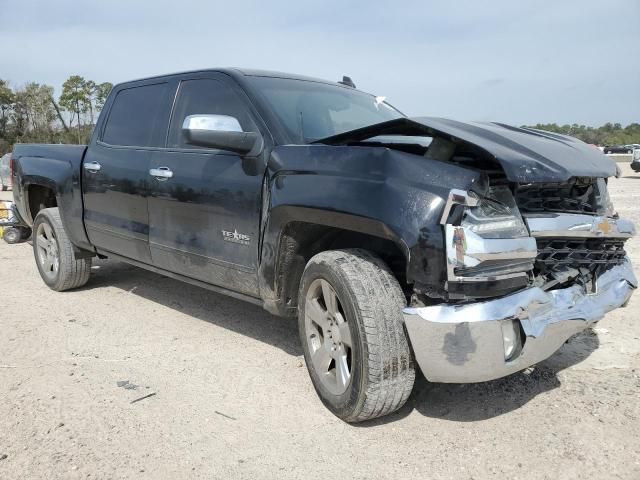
point(231, 397)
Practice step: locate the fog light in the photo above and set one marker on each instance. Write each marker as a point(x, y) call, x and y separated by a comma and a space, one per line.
point(511, 338)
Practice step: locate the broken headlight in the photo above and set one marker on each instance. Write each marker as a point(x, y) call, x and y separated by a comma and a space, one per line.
point(495, 216)
point(489, 249)
point(602, 199)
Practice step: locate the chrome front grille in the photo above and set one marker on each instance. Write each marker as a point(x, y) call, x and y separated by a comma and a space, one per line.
point(575, 196)
point(558, 253)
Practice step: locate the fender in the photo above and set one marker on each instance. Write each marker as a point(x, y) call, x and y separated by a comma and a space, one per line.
point(377, 191)
point(56, 167)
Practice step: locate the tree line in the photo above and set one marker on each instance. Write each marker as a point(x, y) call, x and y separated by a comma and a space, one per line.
point(607, 134)
point(31, 113)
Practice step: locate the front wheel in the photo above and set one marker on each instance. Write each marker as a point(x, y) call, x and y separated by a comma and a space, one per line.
point(353, 336)
point(54, 253)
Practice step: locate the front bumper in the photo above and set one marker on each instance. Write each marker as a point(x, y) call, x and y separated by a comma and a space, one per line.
point(466, 343)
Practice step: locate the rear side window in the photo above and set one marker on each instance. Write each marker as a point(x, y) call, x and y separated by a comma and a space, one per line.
point(206, 96)
point(138, 117)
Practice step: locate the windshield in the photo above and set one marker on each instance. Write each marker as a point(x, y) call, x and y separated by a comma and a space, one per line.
point(311, 110)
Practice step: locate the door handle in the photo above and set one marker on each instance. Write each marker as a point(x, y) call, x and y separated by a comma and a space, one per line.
point(92, 167)
point(162, 174)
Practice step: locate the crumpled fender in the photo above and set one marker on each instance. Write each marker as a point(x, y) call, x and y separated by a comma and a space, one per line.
point(377, 191)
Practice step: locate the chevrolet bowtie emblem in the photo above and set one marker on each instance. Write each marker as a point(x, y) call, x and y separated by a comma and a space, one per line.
point(604, 226)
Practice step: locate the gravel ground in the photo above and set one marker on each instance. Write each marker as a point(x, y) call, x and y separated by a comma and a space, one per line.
point(230, 396)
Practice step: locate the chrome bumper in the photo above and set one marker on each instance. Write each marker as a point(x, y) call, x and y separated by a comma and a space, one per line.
point(466, 343)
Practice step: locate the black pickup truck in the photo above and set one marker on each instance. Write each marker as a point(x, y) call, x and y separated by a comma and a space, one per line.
point(473, 249)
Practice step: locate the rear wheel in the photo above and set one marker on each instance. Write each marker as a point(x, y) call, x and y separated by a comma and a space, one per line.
point(353, 337)
point(55, 257)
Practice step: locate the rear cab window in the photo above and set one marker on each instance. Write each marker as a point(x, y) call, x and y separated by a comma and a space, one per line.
point(139, 116)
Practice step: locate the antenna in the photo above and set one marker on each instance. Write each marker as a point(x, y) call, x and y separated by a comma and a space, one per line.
point(347, 82)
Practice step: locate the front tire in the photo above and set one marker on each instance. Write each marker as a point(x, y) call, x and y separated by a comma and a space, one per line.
point(353, 336)
point(54, 253)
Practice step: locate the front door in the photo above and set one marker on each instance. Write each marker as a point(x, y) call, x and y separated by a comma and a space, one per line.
point(204, 207)
point(115, 172)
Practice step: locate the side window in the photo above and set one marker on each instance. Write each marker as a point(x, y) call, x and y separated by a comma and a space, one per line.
point(138, 117)
point(206, 96)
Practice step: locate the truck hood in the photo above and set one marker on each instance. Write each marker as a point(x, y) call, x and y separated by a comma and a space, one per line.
point(526, 155)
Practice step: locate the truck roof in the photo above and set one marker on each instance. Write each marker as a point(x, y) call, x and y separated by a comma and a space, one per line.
point(236, 72)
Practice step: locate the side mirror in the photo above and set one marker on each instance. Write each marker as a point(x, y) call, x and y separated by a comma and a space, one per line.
point(220, 131)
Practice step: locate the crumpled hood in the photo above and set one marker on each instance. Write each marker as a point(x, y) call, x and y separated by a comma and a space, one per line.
point(526, 155)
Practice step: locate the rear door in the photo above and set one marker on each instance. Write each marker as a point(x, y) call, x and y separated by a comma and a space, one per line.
point(205, 218)
point(115, 171)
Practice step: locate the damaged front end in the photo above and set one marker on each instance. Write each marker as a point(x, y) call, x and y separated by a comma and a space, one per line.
point(534, 251)
point(551, 258)
point(489, 250)
point(481, 341)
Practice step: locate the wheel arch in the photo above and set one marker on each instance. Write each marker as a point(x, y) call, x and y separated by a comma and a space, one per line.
point(295, 234)
point(38, 196)
point(46, 182)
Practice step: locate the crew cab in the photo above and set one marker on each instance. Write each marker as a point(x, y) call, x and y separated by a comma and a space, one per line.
point(473, 249)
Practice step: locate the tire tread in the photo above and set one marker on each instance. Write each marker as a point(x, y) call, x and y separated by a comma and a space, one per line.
point(74, 272)
point(390, 369)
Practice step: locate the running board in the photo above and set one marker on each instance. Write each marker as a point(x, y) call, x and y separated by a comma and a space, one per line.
point(177, 276)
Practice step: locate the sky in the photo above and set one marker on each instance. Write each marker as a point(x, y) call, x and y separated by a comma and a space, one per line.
point(513, 61)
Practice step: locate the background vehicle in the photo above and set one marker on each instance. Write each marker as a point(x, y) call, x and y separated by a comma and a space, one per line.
point(476, 250)
point(5, 177)
point(618, 149)
point(635, 161)
point(10, 229)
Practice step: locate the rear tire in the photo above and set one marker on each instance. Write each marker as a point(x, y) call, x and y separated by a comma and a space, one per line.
point(353, 336)
point(54, 253)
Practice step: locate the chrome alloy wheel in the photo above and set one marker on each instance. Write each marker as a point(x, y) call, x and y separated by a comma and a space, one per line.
point(328, 336)
point(47, 248)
